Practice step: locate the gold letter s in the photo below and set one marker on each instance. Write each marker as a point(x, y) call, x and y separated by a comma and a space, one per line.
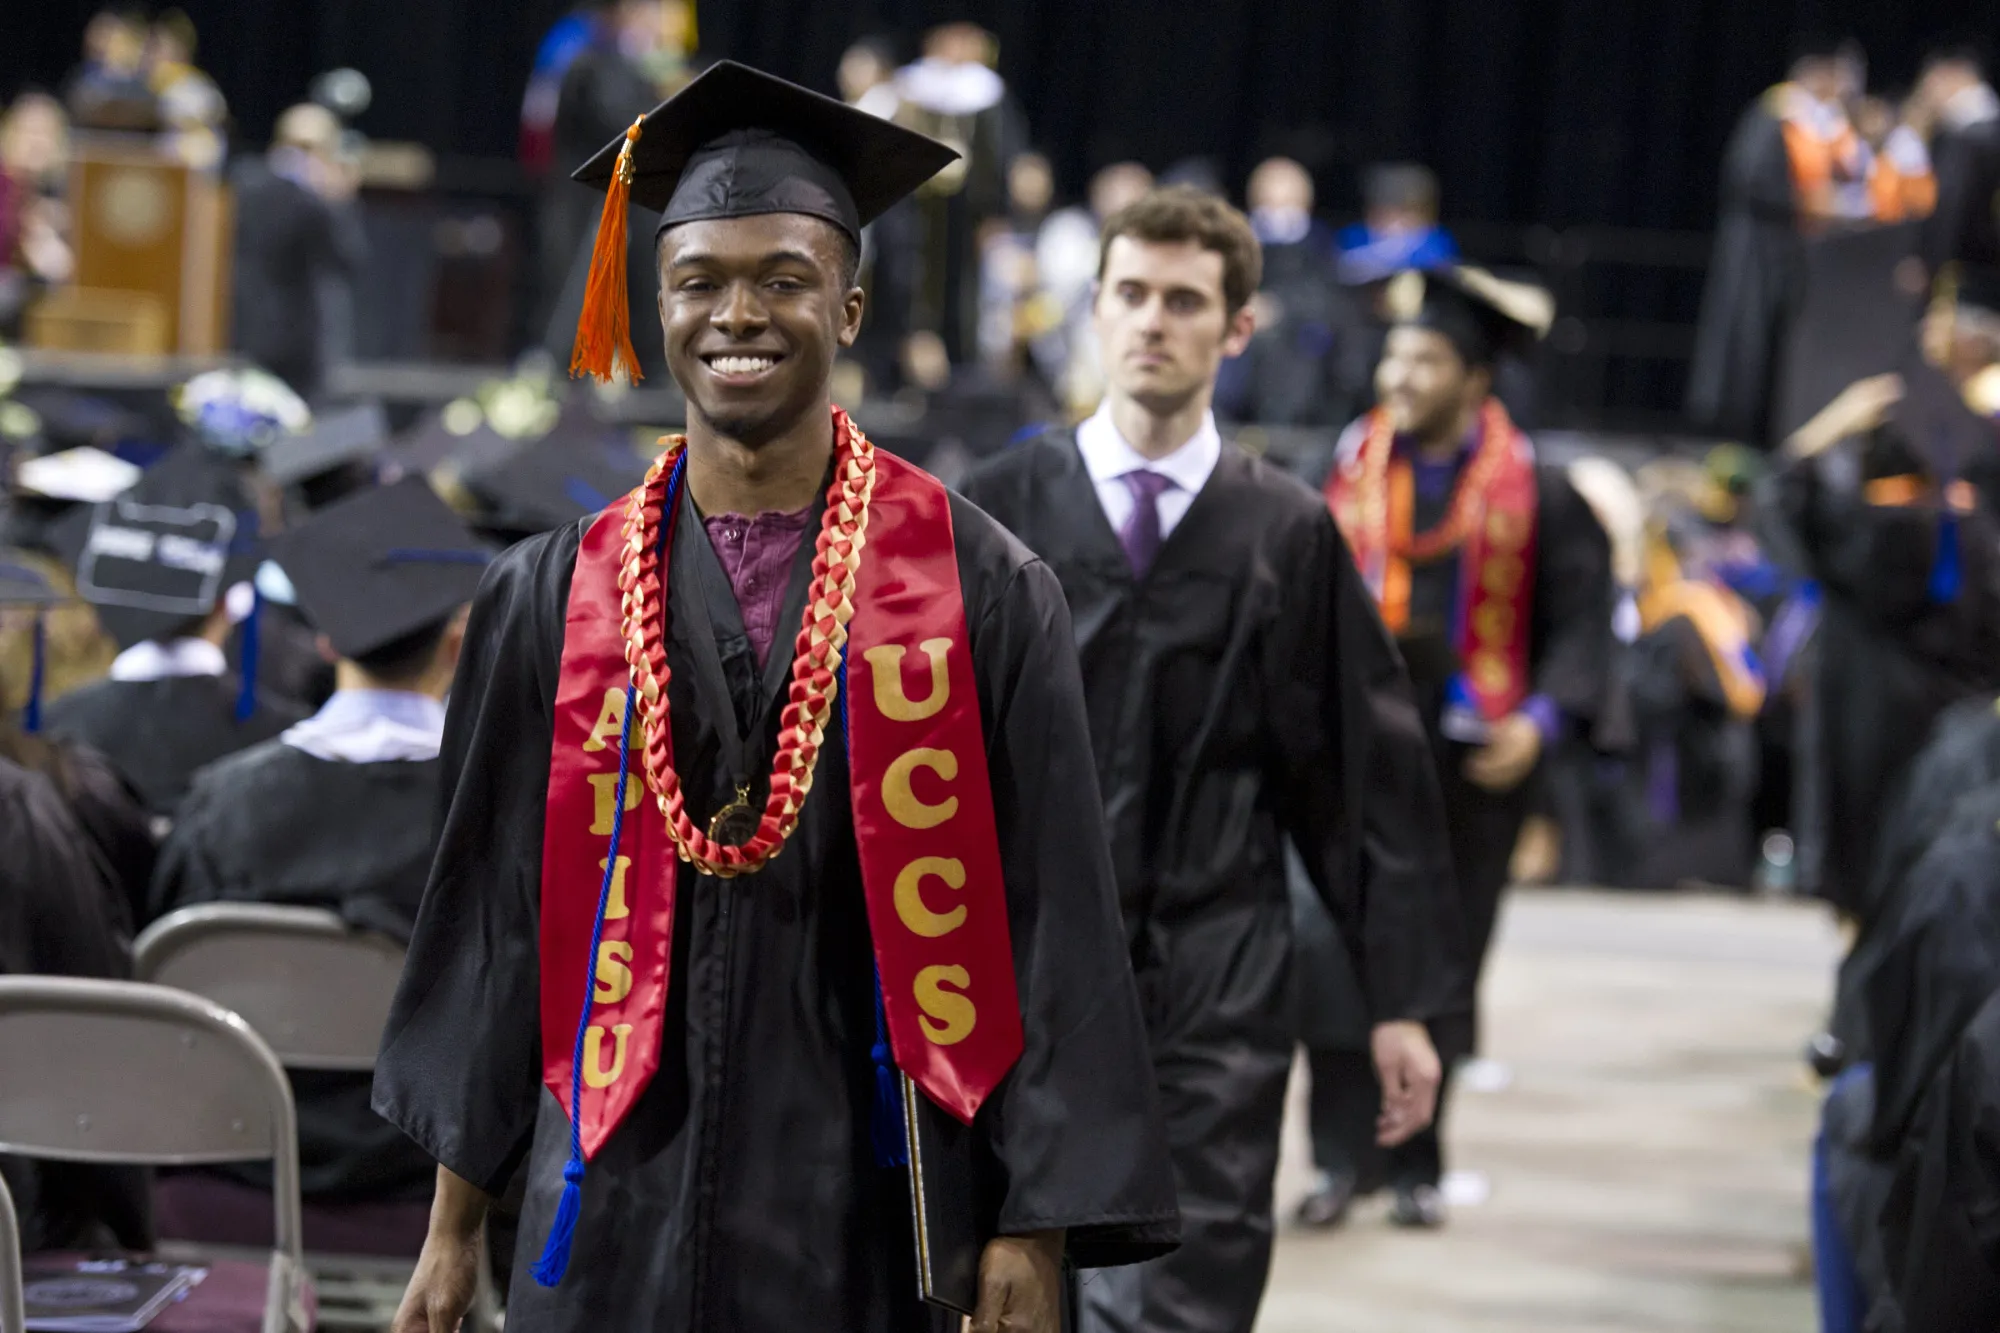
point(886, 665)
point(953, 1011)
point(614, 971)
point(920, 919)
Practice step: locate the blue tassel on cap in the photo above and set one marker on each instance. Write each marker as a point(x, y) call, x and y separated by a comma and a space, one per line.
point(31, 714)
point(246, 696)
point(1945, 575)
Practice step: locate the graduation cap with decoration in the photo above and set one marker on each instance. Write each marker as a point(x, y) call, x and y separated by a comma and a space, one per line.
point(736, 143)
point(381, 567)
point(1484, 316)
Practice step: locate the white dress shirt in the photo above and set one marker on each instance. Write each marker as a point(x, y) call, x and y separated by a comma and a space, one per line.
point(1107, 457)
point(154, 660)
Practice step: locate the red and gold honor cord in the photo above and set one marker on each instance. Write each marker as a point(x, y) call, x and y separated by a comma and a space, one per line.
point(642, 583)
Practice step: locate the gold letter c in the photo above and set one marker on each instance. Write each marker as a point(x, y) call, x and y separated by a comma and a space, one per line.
point(920, 919)
point(902, 803)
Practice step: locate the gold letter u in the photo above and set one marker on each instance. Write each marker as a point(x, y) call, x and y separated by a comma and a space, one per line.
point(885, 664)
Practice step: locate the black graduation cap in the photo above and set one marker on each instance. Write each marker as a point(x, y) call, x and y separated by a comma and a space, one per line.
point(338, 437)
point(1932, 419)
point(1484, 316)
point(162, 554)
point(737, 142)
point(578, 468)
point(381, 565)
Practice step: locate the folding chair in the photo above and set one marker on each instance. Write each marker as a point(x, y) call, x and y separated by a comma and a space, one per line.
point(319, 992)
point(13, 1315)
point(123, 1073)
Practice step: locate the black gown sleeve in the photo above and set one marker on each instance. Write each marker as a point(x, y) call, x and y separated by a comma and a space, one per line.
point(461, 1068)
point(186, 873)
point(1355, 781)
point(1076, 1126)
point(1574, 599)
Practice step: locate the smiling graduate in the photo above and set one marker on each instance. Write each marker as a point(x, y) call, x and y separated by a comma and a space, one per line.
point(702, 1051)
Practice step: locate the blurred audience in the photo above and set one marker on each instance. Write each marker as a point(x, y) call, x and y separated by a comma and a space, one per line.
point(110, 89)
point(34, 161)
point(1955, 98)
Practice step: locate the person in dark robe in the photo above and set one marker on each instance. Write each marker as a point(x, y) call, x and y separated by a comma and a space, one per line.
point(750, 1182)
point(1241, 690)
point(63, 912)
point(158, 563)
point(1289, 375)
point(607, 84)
point(1965, 157)
point(297, 238)
point(336, 813)
point(1782, 173)
point(1495, 577)
point(1886, 494)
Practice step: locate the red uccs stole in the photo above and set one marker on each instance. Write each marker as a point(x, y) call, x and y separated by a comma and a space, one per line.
point(1490, 527)
point(923, 817)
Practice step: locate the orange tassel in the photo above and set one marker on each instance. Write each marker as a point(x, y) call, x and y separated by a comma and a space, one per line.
point(604, 328)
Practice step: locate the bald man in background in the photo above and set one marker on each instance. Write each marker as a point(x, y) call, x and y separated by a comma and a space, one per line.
point(298, 248)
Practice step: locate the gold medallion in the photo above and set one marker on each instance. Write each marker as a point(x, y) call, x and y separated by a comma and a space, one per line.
point(736, 823)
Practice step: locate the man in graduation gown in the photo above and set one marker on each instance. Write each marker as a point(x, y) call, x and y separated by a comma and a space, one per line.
point(1495, 577)
point(1887, 493)
point(336, 812)
point(158, 563)
point(1965, 226)
point(1241, 690)
point(734, 1065)
point(1791, 163)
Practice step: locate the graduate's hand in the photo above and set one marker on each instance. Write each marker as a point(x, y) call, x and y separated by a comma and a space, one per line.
point(442, 1288)
point(1020, 1285)
point(1407, 1065)
point(1508, 756)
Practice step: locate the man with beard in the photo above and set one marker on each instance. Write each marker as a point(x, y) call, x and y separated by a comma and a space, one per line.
point(1241, 690)
point(1495, 578)
point(711, 1062)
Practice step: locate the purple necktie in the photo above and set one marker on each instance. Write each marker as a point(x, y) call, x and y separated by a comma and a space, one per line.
point(1141, 534)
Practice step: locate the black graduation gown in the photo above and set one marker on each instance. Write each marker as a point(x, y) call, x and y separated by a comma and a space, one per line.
point(1570, 646)
point(1941, 1223)
point(1754, 275)
point(158, 732)
point(1683, 718)
point(274, 824)
point(1243, 690)
point(742, 1191)
point(60, 916)
point(1966, 223)
point(1891, 659)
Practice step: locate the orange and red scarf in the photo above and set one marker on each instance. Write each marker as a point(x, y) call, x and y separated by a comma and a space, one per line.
point(923, 818)
point(1490, 527)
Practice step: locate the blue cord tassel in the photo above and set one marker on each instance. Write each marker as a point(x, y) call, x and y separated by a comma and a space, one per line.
point(549, 1269)
point(885, 1124)
point(1945, 576)
point(246, 697)
point(31, 715)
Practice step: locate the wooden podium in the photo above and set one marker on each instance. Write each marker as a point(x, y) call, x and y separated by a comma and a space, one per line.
point(152, 238)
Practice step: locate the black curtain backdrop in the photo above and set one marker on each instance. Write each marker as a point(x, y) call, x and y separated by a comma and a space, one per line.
point(1561, 112)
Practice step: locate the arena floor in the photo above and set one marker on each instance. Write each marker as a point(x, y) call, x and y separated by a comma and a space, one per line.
point(1647, 1160)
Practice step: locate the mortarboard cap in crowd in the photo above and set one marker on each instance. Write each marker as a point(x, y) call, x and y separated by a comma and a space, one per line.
point(578, 468)
point(737, 142)
point(1484, 316)
point(381, 565)
point(163, 554)
point(337, 438)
